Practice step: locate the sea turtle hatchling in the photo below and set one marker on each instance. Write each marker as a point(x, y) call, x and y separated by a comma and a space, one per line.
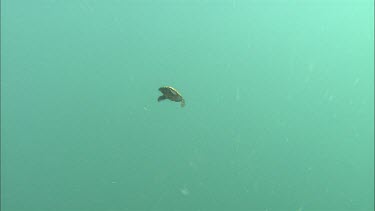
point(171, 94)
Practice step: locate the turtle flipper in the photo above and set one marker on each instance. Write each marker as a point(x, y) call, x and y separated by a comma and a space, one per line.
point(163, 97)
point(182, 103)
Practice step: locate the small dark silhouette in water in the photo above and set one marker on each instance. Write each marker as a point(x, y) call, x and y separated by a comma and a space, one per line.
point(171, 94)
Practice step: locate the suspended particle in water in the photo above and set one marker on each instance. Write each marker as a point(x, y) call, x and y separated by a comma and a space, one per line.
point(237, 94)
point(184, 191)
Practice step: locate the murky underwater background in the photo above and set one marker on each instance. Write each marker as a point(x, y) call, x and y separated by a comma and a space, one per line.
point(279, 105)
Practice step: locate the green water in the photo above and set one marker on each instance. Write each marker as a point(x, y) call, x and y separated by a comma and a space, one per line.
point(279, 105)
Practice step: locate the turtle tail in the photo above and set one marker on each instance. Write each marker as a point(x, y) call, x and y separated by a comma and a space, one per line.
point(162, 98)
point(182, 103)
